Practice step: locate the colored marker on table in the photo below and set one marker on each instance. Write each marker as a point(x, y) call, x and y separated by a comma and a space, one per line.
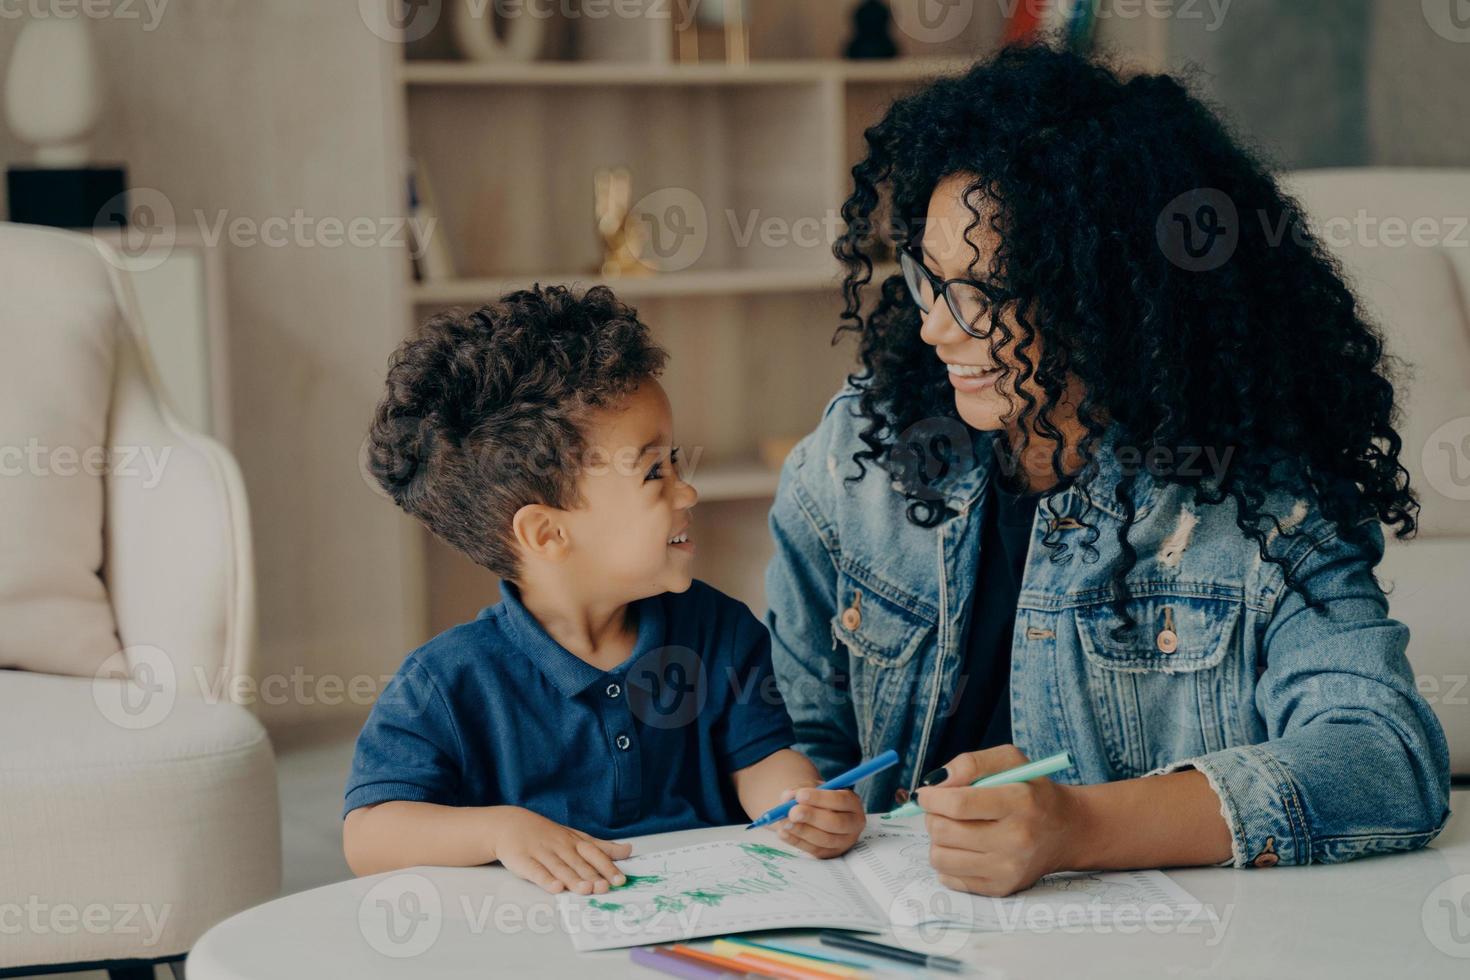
point(1018, 774)
point(845, 781)
point(668, 962)
point(931, 961)
point(766, 956)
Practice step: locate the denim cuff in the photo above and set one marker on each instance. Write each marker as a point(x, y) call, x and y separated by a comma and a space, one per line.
point(1259, 801)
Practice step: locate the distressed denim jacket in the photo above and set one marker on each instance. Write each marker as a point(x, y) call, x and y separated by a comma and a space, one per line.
point(1308, 726)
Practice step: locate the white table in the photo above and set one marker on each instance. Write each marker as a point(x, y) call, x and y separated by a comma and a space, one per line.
point(1403, 915)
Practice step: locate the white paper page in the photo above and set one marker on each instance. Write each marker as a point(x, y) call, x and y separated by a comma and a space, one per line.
point(718, 888)
point(894, 866)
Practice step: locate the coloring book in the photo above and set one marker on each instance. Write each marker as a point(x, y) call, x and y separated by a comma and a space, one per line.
point(730, 886)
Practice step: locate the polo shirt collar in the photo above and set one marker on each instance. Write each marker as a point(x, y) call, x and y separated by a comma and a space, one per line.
point(569, 673)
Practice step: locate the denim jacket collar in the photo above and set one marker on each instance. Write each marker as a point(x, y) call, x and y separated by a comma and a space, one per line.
point(962, 487)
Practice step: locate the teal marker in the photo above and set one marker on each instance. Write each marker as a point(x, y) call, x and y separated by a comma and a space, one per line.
point(1020, 774)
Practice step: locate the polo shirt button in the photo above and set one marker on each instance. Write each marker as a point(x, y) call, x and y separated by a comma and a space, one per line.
point(613, 690)
point(622, 742)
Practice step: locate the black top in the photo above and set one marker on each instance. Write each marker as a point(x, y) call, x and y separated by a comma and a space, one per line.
point(980, 716)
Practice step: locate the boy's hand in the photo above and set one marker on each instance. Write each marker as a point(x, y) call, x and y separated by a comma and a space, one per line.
point(825, 823)
point(555, 857)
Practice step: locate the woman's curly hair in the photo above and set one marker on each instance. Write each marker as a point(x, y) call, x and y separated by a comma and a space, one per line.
point(484, 411)
point(1264, 355)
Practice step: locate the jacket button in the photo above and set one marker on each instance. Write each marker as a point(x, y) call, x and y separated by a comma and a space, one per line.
point(851, 619)
point(1168, 641)
point(623, 742)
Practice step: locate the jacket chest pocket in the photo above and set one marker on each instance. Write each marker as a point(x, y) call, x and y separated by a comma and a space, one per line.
point(882, 637)
point(1163, 691)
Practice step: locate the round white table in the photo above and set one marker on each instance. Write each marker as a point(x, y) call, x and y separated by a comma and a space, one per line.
point(1402, 915)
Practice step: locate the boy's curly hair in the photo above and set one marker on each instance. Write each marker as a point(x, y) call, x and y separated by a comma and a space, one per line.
point(484, 411)
point(1266, 355)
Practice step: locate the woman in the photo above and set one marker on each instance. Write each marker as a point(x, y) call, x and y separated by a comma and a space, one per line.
point(1110, 483)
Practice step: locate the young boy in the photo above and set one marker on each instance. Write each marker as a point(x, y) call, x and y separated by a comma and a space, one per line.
point(608, 694)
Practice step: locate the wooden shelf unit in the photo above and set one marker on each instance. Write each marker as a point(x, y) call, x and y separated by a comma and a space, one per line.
point(765, 150)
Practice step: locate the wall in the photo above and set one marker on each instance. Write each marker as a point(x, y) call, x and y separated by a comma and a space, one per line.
point(261, 108)
point(1333, 83)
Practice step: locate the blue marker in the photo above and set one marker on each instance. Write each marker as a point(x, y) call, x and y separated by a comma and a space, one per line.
point(876, 764)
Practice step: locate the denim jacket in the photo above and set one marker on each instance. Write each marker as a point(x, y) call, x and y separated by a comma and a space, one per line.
point(1308, 726)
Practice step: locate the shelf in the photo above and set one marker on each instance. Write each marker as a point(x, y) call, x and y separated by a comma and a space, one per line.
point(724, 282)
point(619, 73)
point(735, 481)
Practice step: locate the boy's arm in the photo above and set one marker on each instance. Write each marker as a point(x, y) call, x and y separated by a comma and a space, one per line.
point(403, 834)
point(826, 822)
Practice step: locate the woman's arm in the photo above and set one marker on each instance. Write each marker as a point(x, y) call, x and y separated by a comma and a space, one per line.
point(1354, 761)
point(801, 583)
point(1001, 839)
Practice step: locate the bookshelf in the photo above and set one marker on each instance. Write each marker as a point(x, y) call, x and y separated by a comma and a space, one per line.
point(763, 150)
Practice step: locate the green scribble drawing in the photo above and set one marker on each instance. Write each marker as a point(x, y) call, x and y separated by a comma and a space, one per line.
point(705, 897)
point(633, 881)
point(761, 870)
point(598, 903)
point(668, 903)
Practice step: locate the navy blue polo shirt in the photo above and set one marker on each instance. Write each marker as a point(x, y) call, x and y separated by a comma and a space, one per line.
point(496, 712)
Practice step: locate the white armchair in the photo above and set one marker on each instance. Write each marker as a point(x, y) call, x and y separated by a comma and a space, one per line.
point(137, 799)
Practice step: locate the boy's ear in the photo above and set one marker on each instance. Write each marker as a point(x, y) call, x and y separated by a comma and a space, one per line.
point(540, 533)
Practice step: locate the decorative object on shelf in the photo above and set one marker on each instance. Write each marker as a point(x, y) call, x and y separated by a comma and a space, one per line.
point(703, 26)
point(1069, 24)
point(623, 241)
point(429, 248)
point(1025, 22)
point(1066, 24)
point(871, 20)
point(481, 34)
point(53, 99)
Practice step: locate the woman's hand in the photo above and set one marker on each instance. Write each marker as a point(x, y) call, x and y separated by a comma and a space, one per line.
point(825, 823)
point(1000, 839)
point(555, 857)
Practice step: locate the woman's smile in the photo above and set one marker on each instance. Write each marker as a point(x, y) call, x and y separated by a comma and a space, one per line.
point(970, 378)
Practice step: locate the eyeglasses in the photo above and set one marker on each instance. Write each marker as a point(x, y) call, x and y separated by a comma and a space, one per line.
point(970, 301)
